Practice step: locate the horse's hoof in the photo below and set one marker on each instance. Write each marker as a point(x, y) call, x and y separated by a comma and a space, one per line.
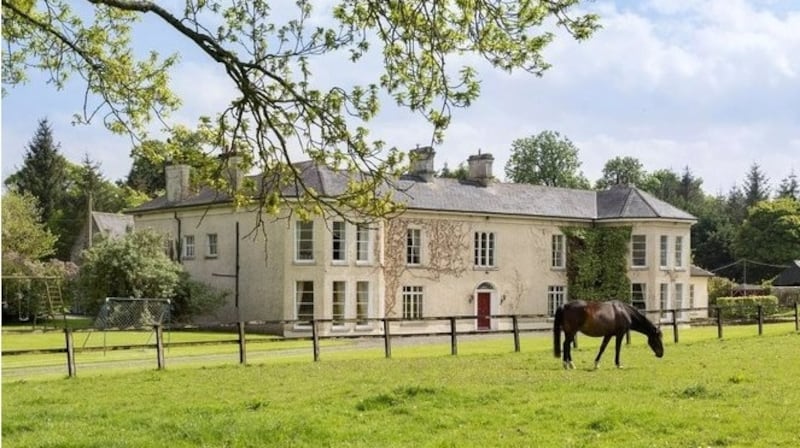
point(619, 366)
point(597, 365)
point(571, 365)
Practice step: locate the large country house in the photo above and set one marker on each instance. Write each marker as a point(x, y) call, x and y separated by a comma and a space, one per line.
point(462, 247)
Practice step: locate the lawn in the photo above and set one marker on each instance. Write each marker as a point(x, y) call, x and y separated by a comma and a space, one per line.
point(739, 391)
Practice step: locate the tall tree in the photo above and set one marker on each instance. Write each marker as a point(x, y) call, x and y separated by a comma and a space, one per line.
point(789, 187)
point(621, 171)
point(24, 233)
point(771, 232)
point(665, 185)
point(756, 188)
point(43, 173)
point(546, 159)
point(691, 189)
point(461, 172)
point(269, 51)
point(736, 205)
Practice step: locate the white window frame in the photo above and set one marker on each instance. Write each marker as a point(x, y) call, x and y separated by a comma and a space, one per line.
point(188, 249)
point(485, 244)
point(642, 291)
point(691, 295)
point(663, 299)
point(677, 299)
point(301, 301)
point(413, 247)
point(679, 252)
point(663, 254)
point(338, 297)
point(304, 235)
point(558, 259)
point(413, 297)
point(556, 294)
point(362, 303)
point(212, 245)
point(339, 242)
point(363, 244)
point(639, 251)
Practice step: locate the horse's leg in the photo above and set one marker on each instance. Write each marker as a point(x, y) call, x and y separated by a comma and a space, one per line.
point(602, 349)
point(567, 348)
point(619, 347)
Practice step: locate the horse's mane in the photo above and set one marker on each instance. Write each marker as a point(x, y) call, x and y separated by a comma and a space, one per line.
point(639, 320)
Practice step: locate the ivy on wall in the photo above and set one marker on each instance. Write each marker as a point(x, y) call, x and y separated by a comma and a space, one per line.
point(597, 267)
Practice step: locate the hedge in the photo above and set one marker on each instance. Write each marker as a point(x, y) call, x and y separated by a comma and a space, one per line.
point(747, 307)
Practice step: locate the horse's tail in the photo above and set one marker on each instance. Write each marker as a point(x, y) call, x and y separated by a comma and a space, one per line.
point(559, 317)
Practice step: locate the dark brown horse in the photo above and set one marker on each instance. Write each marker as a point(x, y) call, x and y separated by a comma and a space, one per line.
point(601, 319)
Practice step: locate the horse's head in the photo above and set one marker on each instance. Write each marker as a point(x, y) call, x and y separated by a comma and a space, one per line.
point(654, 341)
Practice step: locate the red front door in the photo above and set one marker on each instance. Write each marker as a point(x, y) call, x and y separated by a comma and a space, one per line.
point(484, 310)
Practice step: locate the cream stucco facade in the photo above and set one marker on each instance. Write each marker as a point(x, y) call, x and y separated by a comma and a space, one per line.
point(468, 257)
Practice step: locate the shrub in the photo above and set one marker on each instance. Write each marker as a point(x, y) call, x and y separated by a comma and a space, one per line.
point(132, 266)
point(747, 307)
point(719, 287)
point(193, 298)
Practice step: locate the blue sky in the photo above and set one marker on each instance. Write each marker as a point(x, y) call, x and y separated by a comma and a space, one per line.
point(712, 84)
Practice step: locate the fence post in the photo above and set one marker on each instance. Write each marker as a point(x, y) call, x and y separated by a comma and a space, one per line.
point(387, 338)
point(760, 319)
point(674, 325)
point(70, 353)
point(453, 341)
point(796, 318)
point(719, 322)
point(242, 350)
point(159, 346)
point(515, 325)
point(315, 339)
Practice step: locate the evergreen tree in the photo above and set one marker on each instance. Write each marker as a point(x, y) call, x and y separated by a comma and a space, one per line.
point(756, 188)
point(43, 174)
point(789, 187)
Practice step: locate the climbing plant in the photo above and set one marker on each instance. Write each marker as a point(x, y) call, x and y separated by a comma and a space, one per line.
point(597, 263)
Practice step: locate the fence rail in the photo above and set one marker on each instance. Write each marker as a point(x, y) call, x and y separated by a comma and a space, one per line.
point(716, 316)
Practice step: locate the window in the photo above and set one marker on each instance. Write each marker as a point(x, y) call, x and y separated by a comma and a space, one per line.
point(678, 299)
point(663, 296)
point(639, 295)
point(557, 260)
point(339, 294)
point(412, 302)
point(362, 303)
point(691, 296)
point(169, 248)
point(484, 249)
point(664, 246)
point(678, 251)
point(363, 243)
point(304, 241)
point(339, 241)
point(413, 246)
point(555, 298)
point(188, 246)
point(304, 301)
point(639, 250)
point(211, 245)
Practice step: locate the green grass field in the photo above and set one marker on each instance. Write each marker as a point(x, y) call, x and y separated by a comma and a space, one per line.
point(739, 391)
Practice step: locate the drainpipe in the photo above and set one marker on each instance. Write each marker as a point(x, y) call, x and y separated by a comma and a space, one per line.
point(178, 242)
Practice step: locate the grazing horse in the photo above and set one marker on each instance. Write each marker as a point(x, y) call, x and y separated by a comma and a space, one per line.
point(601, 319)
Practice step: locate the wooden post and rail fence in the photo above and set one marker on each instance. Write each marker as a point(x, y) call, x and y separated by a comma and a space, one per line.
point(387, 334)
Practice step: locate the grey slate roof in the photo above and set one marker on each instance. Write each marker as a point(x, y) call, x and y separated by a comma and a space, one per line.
point(790, 276)
point(444, 194)
point(696, 271)
point(113, 224)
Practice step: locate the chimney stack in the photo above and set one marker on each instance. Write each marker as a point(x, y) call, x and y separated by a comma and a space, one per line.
point(480, 169)
point(177, 180)
point(232, 169)
point(422, 163)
